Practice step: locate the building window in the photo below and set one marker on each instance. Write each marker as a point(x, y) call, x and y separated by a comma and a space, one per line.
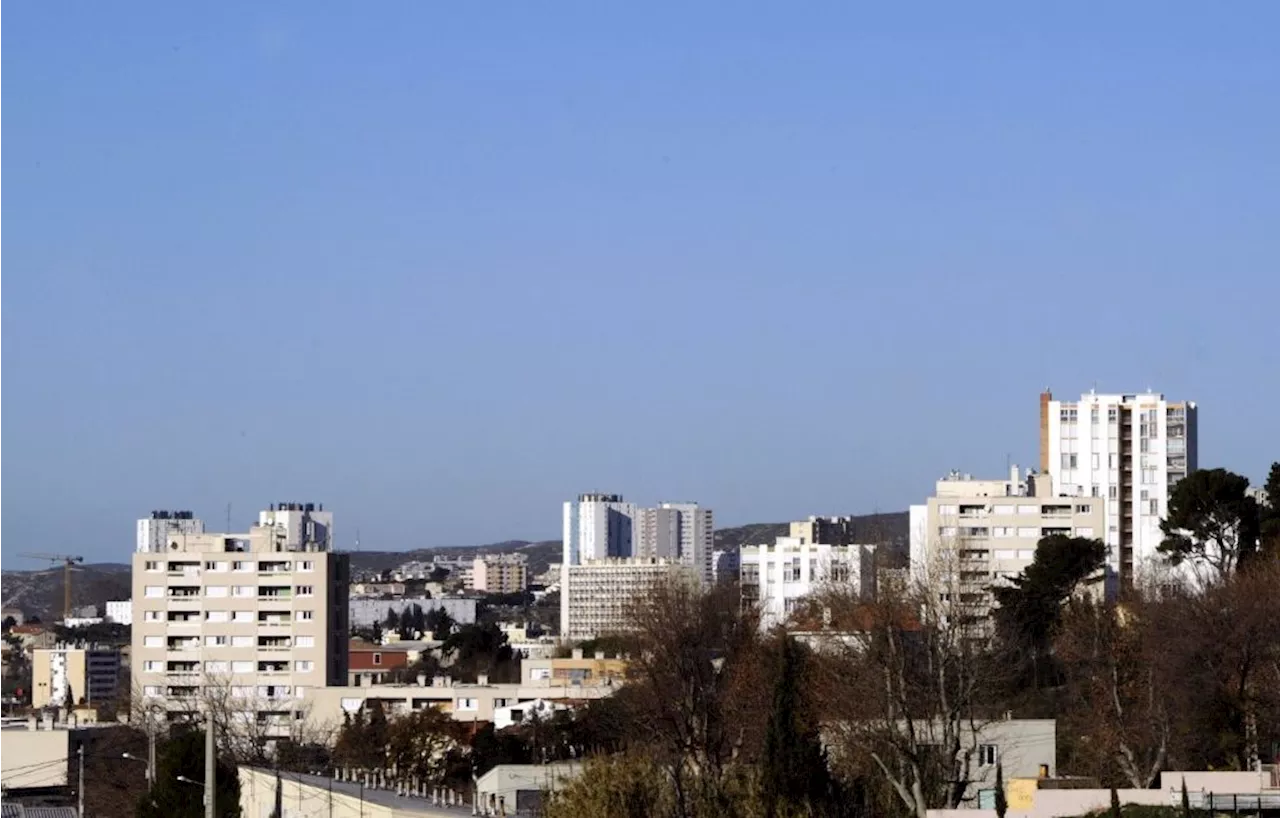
point(215, 591)
point(377, 658)
point(217, 616)
point(242, 667)
point(152, 616)
point(244, 591)
point(242, 641)
point(216, 667)
point(215, 641)
point(1113, 415)
point(1155, 508)
point(304, 616)
point(154, 591)
point(987, 755)
point(306, 590)
point(151, 690)
point(151, 565)
point(153, 667)
point(243, 616)
point(305, 642)
point(1084, 509)
point(467, 704)
point(304, 666)
point(153, 641)
point(307, 565)
point(242, 565)
point(1112, 492)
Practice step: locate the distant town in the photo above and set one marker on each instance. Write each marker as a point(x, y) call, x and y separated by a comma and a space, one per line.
point(1003, 650)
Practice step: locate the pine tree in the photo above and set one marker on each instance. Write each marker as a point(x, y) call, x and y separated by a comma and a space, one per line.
point(1002, 804)
point(795, 773)
point(1186, 800)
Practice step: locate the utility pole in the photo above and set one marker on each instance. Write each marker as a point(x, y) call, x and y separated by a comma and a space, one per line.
point(151, 757)
point(80, 789)
point(210, 765)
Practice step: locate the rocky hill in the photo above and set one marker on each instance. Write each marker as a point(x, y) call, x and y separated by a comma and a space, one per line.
point(39, 593)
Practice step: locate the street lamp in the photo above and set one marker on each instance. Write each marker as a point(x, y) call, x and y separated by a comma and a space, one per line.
point(186, 780)
point(132, 757)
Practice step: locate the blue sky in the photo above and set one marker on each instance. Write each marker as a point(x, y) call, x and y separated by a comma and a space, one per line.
point(443, 266)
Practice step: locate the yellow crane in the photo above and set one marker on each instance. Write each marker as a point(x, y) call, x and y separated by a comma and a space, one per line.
point(67, 561)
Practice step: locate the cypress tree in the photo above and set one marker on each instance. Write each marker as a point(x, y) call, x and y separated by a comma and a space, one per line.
point(1002, 804)
point(795, 774)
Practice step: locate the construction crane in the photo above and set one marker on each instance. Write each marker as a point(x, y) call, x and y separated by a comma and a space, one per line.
point(67, 561)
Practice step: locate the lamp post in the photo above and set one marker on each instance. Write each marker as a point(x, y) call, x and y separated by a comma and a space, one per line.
point(131, 757)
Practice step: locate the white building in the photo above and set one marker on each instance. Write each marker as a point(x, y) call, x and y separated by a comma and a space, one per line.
point(1129, 449)
point(526, 712)
point(500, 573)
point(599, 597)
point(163, 526)
point(974, 533)
point(777, 577)
point(259, 617)
point(120, 611)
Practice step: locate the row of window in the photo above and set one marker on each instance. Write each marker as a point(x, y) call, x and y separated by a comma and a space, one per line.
point(1008, 509)
point(1004, 531)
point(220, 641)
point(301, 666)
point(243, 566)
point(242, 591)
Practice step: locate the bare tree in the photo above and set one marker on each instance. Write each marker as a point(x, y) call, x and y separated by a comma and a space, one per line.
point(907, 687)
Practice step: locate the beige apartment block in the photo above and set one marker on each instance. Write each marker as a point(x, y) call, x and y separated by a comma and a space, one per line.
point(973, 534)
point(68, 675)
point(500, 573)
point(600, 596)
point(253, 621)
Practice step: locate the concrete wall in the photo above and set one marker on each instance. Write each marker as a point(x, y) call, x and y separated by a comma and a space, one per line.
point(33, 758)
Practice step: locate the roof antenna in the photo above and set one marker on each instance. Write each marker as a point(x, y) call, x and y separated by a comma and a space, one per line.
point(228, 528)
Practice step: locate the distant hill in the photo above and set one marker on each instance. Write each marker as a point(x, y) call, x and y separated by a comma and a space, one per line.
point(39, 593)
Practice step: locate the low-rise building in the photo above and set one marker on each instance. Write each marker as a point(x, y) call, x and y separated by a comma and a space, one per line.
point(368, 663)
point(376, 590)
point(518, 789)
point(577, 670)
point(526, 712)
point(600, 596)
point(499, 573)
point(33, 635)
point(778, 577)
point(34, 755)
point(366, 612)
point(120, 611)
point(67, 675)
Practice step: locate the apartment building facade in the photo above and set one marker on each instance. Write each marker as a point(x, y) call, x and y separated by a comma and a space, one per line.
point(683, 532)
point(1128, 449)
point(974, 533)
point(500, 573)
point(66, 675)
point(778, 577)
point(258, 619)
point(599, 597)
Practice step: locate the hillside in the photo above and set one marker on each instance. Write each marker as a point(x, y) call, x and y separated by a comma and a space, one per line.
point(39, 593)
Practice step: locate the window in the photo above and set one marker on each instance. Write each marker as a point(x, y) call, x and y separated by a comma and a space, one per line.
point(304, 616)
point(304, 666)
point(1111, 460)
point(244, 616)
point(377, 658)
point(1029, 509)
point(242, 692)
point(1029, 531)
point(242, 565)
point(217, 566)
point(1006, 554)
point(153, 667)
point(215, 591)
point(305, 642)
point(987, 755)
point(216, 667)
point(1093, 491)
point(1112, 492)
point(1084, 508)
point(1001, 531)
point(467, 704)
point(216, 616)
point(1155, 508)
point(242, 667)
point(215, 641)
point(244, 590)
point(152, 616)
point(948, 510)
point(948, 531)
point(153, 641)
point(1084, 531)
point(151, 565)
point(242, 641)
point(151, 690)
point(1002, 508)
point(154, 592)
point(1113, 415)
point(306, 590)
point(1068, 460)
point(306, 565)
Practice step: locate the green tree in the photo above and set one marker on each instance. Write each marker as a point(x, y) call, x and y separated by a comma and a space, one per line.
point(1212, 520)
point(439, 623)
point(392, 622)
point(1270, 514)
point(795, 776)
point(1031, 605)
point(1002, 803)
point(1115, 803)
point(183, 755)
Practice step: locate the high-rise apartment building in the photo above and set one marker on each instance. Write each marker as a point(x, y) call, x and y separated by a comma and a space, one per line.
point(255, 619)
point(681, 532)
point(1129, 449)
point(599, 597)
point(162, 526)
point(972, 533)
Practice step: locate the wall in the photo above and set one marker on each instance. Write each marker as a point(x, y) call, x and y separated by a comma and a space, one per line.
point(33, 758)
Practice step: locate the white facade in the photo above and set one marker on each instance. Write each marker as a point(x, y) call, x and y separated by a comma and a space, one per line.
point(599, 597)
point(120, 611)
point(299, 525)
point(1129, 449)
point(777, 577)
point(160, 528)
point(973, 533)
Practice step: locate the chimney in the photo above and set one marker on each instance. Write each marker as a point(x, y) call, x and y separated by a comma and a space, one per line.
point(482, 678)
point(599, 654)
point(577, 653)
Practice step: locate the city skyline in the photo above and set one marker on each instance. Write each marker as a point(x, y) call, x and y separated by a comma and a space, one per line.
point(441, 268)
